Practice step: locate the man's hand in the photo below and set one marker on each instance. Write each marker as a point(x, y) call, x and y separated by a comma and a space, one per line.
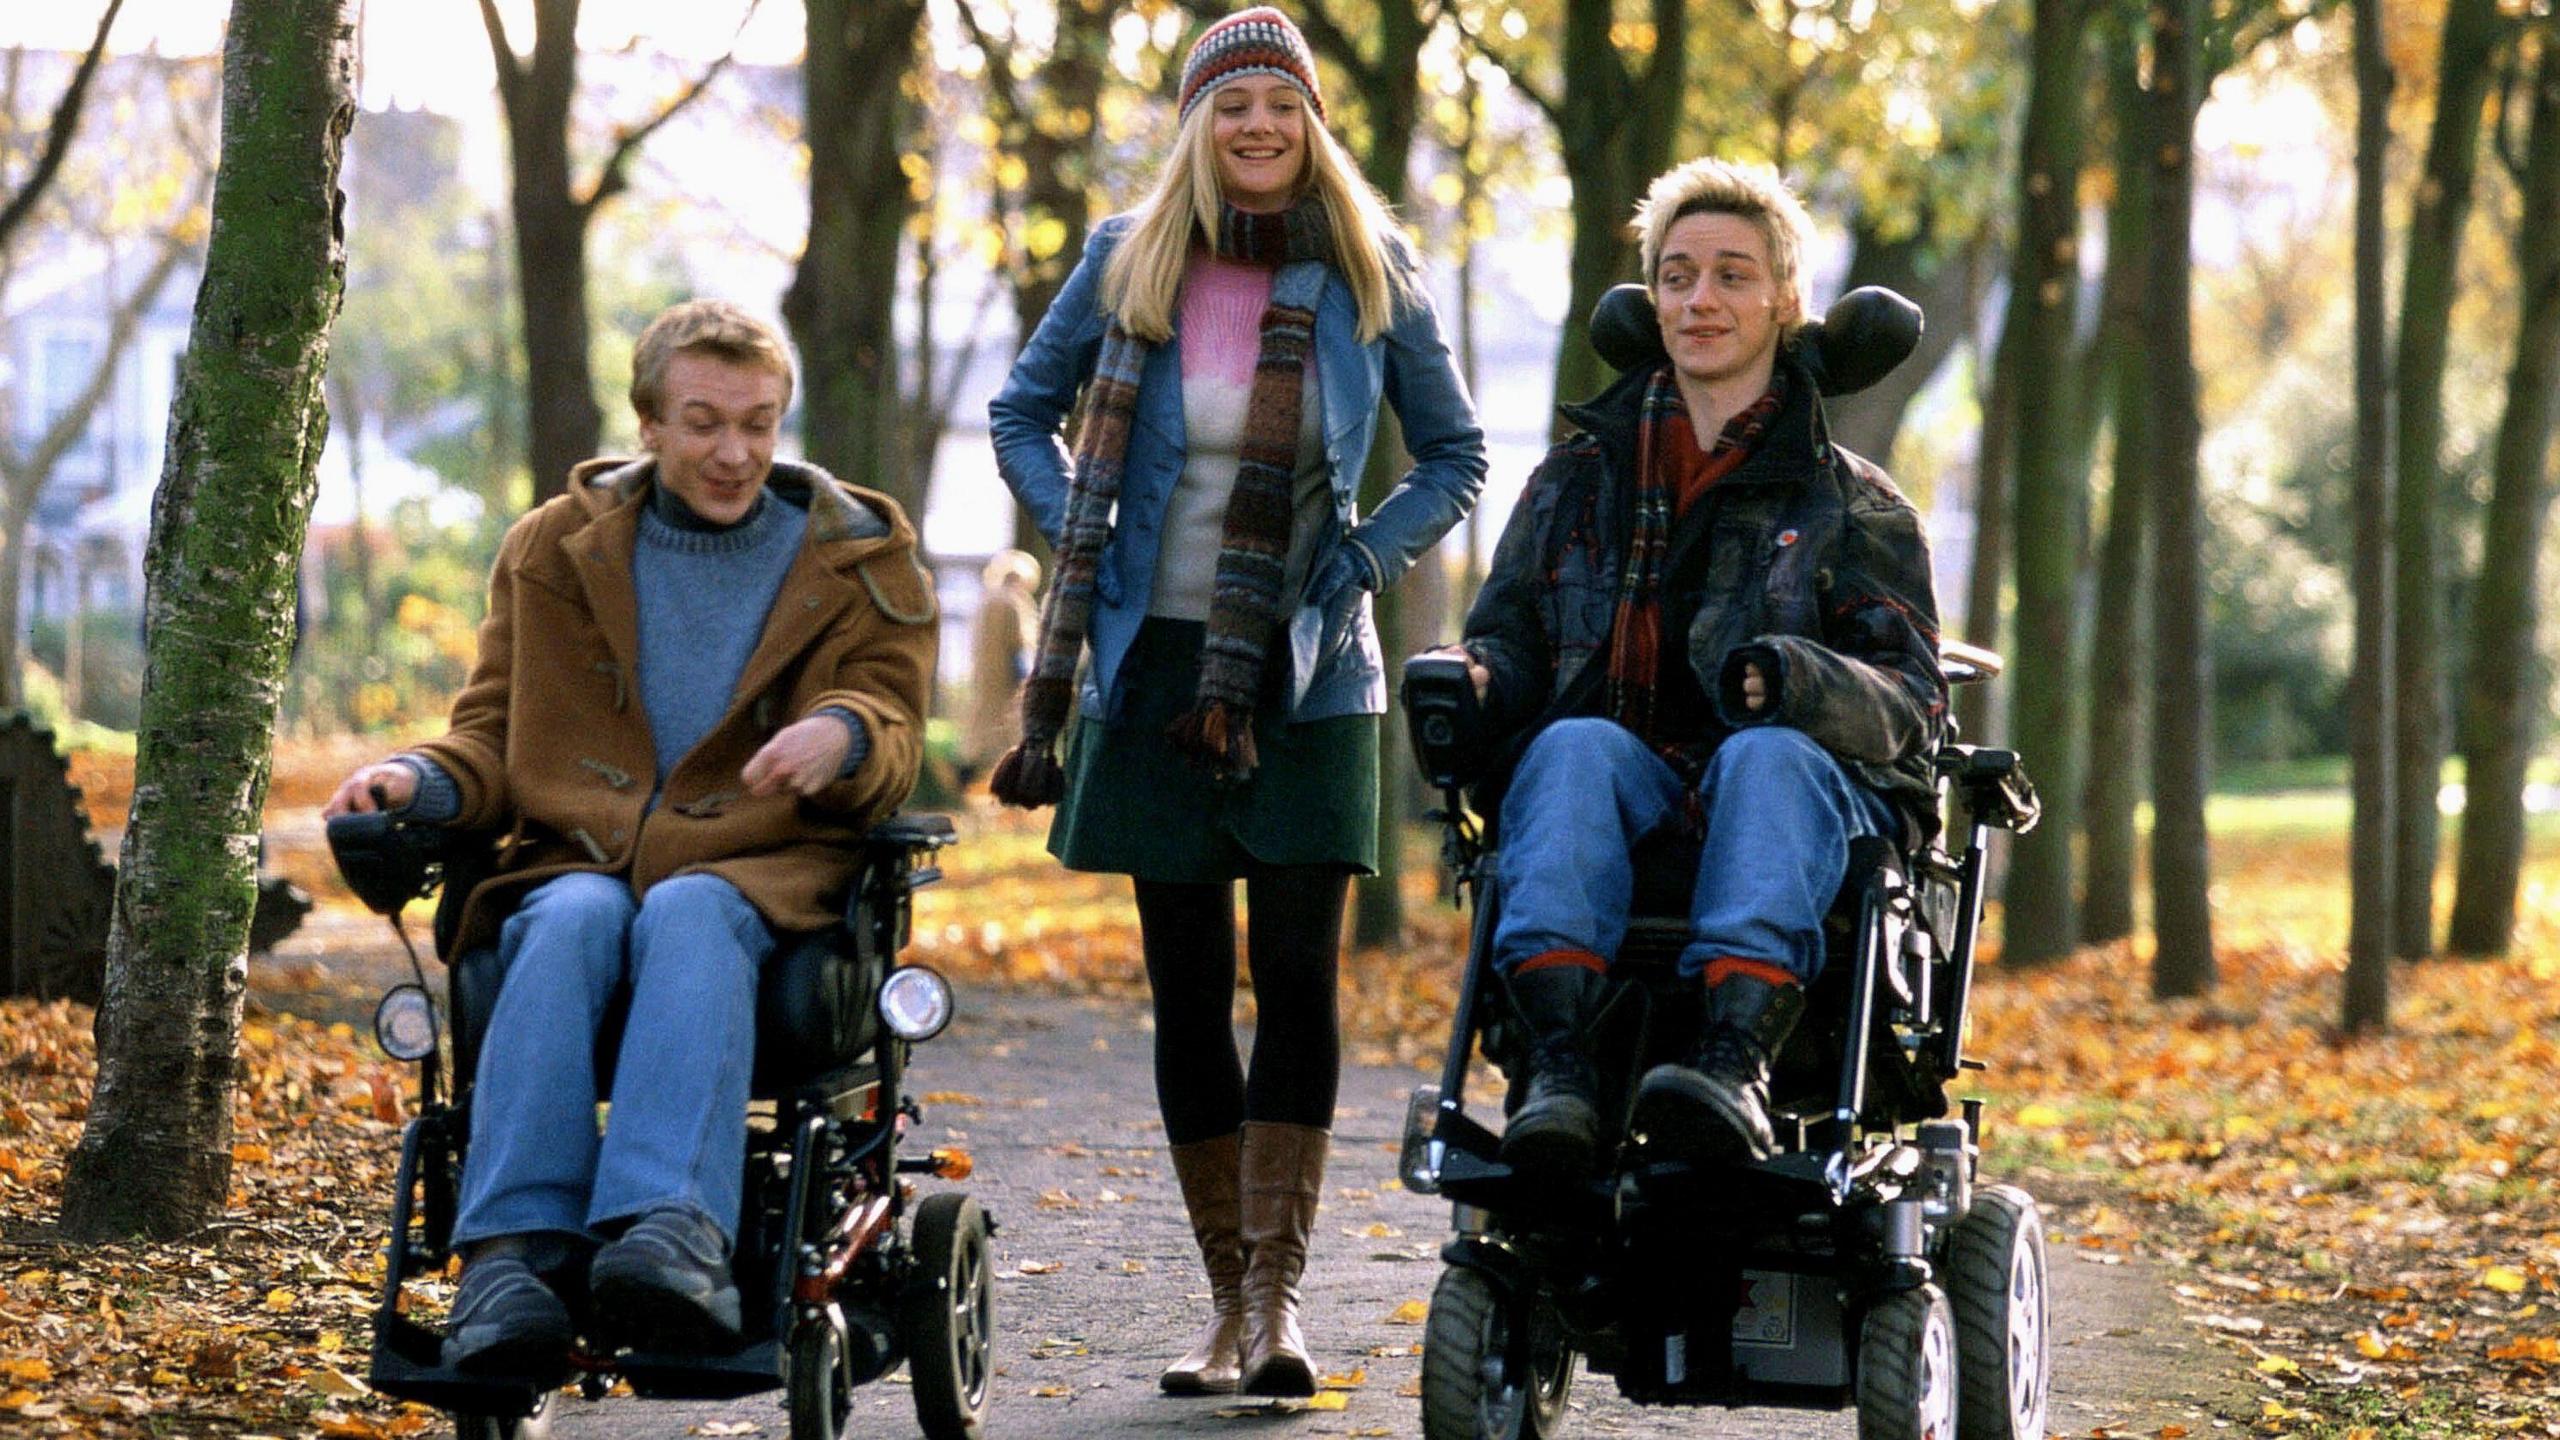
point(386, 786)
point(1475, 670)
point(803, 757)
point(1755, 686)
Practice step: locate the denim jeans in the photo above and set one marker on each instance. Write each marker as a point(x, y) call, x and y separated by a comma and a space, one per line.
point(677, 1138)
point(1780, 813)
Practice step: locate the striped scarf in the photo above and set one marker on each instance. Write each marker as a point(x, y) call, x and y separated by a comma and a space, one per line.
point(1635, 636)
point(1244, 607)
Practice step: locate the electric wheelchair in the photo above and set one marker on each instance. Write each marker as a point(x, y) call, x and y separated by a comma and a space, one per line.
point(843, 1271)
point(1861, 1266)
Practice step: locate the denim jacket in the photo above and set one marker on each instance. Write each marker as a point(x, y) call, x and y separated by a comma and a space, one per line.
point(1805, 560)
point(1333, 670)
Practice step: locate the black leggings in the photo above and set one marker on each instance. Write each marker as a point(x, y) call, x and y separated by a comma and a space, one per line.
point(1292, 953)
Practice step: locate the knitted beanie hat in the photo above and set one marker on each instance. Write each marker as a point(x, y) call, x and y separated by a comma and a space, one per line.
point(1259, 41)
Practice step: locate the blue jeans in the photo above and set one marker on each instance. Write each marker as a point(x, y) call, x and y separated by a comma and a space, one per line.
point(1780, 813)
point(678, 1136)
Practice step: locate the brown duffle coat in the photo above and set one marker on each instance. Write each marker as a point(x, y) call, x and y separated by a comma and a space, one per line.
point(550, 744)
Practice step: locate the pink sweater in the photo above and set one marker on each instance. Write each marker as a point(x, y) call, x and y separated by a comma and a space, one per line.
point(1221, 327)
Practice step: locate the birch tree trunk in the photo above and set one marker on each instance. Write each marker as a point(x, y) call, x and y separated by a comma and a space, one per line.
point(245, 433)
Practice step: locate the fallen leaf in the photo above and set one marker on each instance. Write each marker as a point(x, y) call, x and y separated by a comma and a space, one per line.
point(1411, 1312)
point(1328, 1400)
point(2278, 1365)
point(1051, 1392)
point(2503, 1280)
point(1358, 1377)
point(1037, 1267)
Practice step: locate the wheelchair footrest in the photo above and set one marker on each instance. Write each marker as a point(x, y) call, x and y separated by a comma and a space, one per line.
point(750, 1371)
point(408, 1365)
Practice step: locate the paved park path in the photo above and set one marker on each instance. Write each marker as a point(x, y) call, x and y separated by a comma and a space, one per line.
point(1100, 1288)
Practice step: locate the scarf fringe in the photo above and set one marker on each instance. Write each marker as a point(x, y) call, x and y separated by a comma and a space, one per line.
point(1027, 779)
point(1217, 736)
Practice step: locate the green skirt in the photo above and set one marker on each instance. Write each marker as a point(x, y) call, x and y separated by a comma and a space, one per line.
point(1134, 806)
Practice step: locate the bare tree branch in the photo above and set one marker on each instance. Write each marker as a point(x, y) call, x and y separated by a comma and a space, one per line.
point(1330, 39)
point(57, 140)
point(73, 422)
point(1000, 82)
point(503, 51)
point(614, 178)
point(1510, 67)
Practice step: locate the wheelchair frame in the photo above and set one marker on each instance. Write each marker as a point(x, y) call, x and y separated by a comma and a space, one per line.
point(835, 1294)
point(1841, 1237)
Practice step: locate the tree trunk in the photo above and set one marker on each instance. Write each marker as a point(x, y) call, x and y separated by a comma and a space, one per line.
point(2181, 917)
point(1610, 127)
point(227, 527)
point(843, 298)
point(1390, 88)
point(563, 423)
point(2367, 1005)
point(1936, 270)
point(1977, 717)
point(2472, 32)
point(2039, 922)
point(2118, 668)
point(2498, 682)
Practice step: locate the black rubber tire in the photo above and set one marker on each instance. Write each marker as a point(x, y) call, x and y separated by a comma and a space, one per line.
point(816, 1394)
point(2000, 1288)
point(536, 1426)
point(1907, 1386)
point(947, 1318)
point(1491, 1369)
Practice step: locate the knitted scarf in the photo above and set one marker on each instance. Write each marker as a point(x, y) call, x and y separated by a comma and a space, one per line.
point(1635, 636)
point(1244, 607)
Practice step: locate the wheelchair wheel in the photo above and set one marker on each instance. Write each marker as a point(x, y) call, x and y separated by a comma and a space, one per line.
point(1997, 1282)
point(819, 1389)
point(1907, 1368)
point(536, 1426)
point(947, 1318)
point(1493, 1367)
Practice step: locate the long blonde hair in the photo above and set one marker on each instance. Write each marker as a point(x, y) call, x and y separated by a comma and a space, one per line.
point(1144, 278)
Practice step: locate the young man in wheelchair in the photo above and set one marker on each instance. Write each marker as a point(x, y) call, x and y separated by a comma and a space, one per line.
point(701, 675)
point(1703, 618)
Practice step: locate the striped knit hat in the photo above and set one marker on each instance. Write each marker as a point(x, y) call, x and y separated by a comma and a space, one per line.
point(1259, 41)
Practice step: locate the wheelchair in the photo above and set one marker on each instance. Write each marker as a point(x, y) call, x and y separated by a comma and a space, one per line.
point(843, 1271)
point(1864, 1265)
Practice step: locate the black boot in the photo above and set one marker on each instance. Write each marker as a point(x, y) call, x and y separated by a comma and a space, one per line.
point(1557, 1128)
point(1716, 1108)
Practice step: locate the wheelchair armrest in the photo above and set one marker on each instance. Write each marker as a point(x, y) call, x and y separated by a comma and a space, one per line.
point(389, 862)
point(1443, 719)
point(897, 859)
point(1994, 785)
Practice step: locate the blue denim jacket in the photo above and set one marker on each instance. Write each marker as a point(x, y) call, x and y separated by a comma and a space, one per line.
point(1409, 365)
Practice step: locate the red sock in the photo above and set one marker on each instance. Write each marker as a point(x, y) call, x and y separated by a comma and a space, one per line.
point(1725, 967)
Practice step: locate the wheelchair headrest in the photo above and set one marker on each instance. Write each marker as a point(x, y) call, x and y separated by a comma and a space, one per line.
point(1858, 342)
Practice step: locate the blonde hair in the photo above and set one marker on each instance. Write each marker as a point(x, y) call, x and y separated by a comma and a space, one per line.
point(1750, 192)
point(1144, 278)
point(704, 327)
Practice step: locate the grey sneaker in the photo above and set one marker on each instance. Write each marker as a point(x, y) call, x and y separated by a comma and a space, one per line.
point(665, 1285)
point(505, 1321)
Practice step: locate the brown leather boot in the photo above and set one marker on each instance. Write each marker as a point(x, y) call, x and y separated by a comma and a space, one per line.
point(1282, 1178)
point(1207, 1170)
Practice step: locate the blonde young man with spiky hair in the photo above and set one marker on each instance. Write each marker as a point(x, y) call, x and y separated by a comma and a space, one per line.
point(1703, 618)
